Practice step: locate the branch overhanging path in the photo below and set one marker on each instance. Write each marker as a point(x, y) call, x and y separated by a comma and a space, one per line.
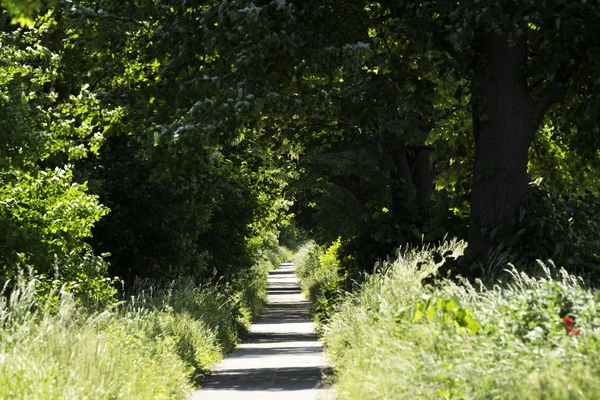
point(281, 357)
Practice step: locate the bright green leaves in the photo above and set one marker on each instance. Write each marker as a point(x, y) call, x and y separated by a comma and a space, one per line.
point(23, 11)
point(44, 221)
point(46, 120)
point(449, 313)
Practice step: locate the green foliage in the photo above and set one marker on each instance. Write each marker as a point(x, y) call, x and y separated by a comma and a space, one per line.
point(320, 276)
point(47, 216)
point(22, 11)
point(291, 236)
point(167, 221)
point(44, 221)
point(94, 103)
point(378, 86)
point(187, 193)
point(557, 226)
point(402, 337)
point(150, 346)
point(450, 312)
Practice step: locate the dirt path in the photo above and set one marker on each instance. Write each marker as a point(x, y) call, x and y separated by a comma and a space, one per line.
point(281, 358)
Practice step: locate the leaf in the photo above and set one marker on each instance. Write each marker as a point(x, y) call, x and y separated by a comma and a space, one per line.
point(417, 315)
point(453, 304)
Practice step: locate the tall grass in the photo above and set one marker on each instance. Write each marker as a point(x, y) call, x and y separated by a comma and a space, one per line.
point(318, 269)
point(76, 354)
point(153, 345)
point(406, 335)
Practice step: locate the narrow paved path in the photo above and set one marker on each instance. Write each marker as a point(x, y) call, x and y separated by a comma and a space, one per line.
point(280, 358)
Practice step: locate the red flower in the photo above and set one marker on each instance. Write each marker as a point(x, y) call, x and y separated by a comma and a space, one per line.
point(573, 331)
point(568, 321)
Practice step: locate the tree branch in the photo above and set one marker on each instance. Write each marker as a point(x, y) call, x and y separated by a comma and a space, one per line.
point(553, 92)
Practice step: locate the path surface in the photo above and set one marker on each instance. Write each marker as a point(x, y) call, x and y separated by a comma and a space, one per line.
point(280, 358)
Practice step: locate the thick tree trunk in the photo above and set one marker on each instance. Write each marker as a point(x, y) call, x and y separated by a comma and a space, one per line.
point(504, 128)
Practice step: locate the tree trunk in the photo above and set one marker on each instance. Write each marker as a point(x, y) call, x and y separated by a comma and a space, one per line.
point(402, 190)
point(414, 177)
point(422, 176)
point(504, 129)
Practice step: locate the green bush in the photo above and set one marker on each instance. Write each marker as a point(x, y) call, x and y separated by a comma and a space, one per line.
point(320, 276)
point(44, 221)
point(401, 337)
point(565, 228)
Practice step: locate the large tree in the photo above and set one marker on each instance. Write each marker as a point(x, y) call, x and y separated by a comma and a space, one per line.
point(516, 60)
point(521, 59)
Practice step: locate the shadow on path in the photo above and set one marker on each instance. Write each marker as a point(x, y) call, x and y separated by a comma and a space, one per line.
point(280, 356)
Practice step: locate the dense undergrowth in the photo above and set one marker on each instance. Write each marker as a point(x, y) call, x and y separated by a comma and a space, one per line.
point(319, 273)
point(153, 345)
point(407, 333)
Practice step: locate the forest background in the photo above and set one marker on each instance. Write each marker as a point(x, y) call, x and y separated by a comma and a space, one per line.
point(186, 140)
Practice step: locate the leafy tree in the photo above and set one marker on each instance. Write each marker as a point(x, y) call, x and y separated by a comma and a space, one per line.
point(508, 67)
point(46, 217)
point(187, 199)
point(520, 59)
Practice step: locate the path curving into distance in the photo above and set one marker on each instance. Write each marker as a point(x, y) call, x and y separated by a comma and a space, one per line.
point(281, 357)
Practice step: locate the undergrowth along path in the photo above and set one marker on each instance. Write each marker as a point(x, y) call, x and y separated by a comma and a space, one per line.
point(281, 357)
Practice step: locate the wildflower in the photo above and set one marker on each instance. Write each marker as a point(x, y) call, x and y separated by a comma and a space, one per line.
point(573, 331)
point(568, 321)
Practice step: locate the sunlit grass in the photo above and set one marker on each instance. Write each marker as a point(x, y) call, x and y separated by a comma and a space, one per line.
point(406, 335)
point(154, 345)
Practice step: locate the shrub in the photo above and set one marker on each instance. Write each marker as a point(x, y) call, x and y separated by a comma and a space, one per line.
point(320, 276)
point(45, 219)
point(562, 227)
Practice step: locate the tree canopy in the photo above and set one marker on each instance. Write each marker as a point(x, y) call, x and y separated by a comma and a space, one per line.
point(179, 137)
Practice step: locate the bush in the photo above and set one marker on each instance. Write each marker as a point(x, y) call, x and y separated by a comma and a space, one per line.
point(45, 219)
point(565, 228)
point(400, 337)
point(320, 276)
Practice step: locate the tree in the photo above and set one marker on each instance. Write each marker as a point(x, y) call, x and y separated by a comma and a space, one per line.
point(514, 60)
point(46, 216)
point(184, 199)
point(521, 58)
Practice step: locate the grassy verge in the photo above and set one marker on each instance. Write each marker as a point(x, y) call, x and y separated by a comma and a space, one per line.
point(409, 335)
point(252, 284)
point(318, 271)
point(154, 345)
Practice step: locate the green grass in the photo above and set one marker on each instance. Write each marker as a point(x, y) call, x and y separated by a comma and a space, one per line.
point(252, 284)
point(408, 335)
point(318, 271)
point(154, 345)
